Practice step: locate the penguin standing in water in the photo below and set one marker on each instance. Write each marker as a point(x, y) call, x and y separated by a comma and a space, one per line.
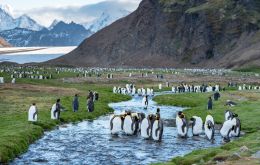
point(197, 125)
point(146, 126)
point(181, 124)
point(130, 125)
point(152, 92)
point(209, 127)
point(116, 124)
point(226, 129)
point(133, 91)
point(237, 126)
point(139, 92)
point(145, 101)
point(141, 117)
point(157, 129)
point(231, 127)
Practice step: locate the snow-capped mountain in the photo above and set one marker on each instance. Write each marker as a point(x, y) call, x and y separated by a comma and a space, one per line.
point(105, 19)
point(26, 22)
point(24, 31)
point(62, 34)
point(7, 21)
point(54, 23)
point(8, 9)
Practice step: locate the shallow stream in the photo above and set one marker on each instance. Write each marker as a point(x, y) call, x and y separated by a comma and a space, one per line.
point(90, 142)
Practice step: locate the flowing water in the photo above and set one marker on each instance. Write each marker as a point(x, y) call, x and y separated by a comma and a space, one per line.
point(90, 142)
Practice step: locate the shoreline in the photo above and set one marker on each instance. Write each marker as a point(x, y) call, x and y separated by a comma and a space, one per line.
point(20, 50)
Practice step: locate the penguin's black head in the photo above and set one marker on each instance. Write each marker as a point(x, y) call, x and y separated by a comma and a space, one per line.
point(128, 112)
point(192, 120)
point(235, 115)
point(180, 112)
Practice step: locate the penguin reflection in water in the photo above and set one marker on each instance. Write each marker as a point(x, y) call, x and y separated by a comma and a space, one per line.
point(181, 124)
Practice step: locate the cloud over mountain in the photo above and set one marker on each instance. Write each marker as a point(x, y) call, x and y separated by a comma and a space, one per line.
point(83, 14)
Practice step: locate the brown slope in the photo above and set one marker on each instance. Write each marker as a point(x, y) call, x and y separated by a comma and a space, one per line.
point(179, 33)
point(4, 43)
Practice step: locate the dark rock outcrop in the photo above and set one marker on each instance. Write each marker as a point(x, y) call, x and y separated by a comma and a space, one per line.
point(176, 33)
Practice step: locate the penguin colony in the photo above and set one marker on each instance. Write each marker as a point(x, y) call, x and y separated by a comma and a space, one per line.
point(130, 89)
point(131, 123)
point(151, 127)
point(230, 128)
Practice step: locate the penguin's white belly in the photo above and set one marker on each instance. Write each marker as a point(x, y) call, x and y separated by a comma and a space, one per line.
point(179, 124)
point(128, 126)
point(30, 115)
point(226, 128)
point(197, 130)
point(144, 126)
point(117, 123)
point(209, 132)
point(133, 92)
point(156, 134)
point(54, 116)
point(152, 93)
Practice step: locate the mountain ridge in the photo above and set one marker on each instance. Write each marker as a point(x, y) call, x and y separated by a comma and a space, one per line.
point(177, 33)
point(24, 21)
point(62, 34)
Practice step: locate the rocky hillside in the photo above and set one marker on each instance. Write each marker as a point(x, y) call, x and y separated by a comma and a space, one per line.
point(3, 43)
point(176, 33)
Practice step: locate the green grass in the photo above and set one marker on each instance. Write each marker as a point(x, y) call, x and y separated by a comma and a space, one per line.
point(16, 133)
point(247, 109)
point(254, 69)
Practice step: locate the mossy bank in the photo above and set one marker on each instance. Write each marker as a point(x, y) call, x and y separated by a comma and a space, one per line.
point(16, 133)
point(248, 111)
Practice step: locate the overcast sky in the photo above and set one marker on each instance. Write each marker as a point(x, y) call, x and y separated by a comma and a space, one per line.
point(31, 4)
point(79, 11)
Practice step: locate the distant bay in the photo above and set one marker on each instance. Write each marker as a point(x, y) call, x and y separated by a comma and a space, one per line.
point(33, 54)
